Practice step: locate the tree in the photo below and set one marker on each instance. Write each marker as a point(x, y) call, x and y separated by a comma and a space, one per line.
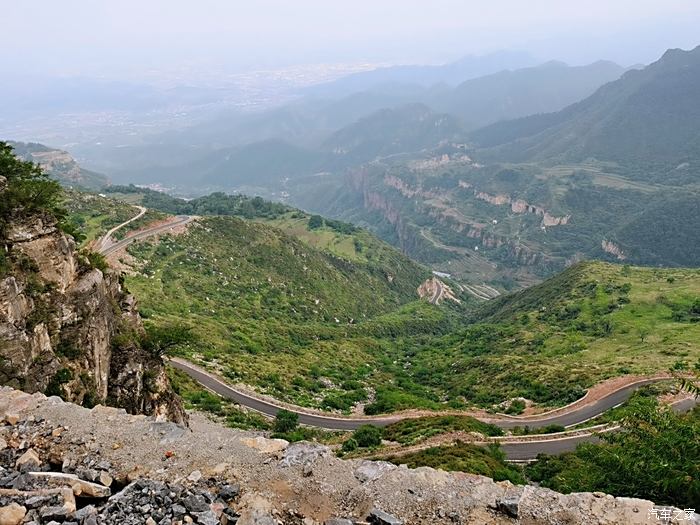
point(655, 455)
point(27, 190)
point(315, 222)
point(286, 421)
point(368, 436)
point(160, 339)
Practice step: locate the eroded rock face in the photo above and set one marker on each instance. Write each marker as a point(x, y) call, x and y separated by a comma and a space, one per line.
point(59, 322)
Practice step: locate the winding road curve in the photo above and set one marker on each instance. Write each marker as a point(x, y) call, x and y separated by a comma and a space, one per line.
point(106, 246)
point(106, 240)
point(514, 451)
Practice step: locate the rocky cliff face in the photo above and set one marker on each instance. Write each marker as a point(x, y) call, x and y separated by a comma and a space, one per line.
point(69, 328)
point(60, 165)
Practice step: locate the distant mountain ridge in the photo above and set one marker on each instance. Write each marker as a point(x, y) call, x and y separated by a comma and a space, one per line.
point(522, 92)
point(646, 122)
point(451, 73)
point(390, 131)
point(59, 164)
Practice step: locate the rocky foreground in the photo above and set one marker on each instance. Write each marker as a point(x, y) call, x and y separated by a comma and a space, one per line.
point(61, 463)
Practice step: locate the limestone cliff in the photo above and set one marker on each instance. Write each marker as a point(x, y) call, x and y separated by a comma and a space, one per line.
point(69, 328)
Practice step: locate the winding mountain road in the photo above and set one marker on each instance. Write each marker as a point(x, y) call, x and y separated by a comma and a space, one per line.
point(514, 451)
point(106, 245)
point(105, 242)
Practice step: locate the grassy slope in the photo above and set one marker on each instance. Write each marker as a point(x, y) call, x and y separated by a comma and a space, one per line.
point(270, 310)
point(591, 322)
point(250, 289)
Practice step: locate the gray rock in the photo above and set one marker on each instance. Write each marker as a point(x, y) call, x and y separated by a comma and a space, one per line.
point(379, 517)
point(303, 453)
point(85, 512)
point(206, 518)
point(56, 512)
point(338, 521)
point(178, 510)
point(509, 505)
point(169, 432)
point(371, 470)
point(37, 501)
point(229, 492)
point(195, 503)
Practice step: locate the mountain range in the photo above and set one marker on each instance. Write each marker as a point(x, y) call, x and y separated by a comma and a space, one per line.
point(612, 176)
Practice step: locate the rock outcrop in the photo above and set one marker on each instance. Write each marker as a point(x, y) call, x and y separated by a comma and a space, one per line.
point(69, 328)
point(105, 466)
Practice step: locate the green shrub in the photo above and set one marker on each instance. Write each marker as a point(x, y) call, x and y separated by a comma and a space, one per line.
point(517, 406)
point(97, 260)
point(286, 421)
point(61, 377)
point(655, 456)
point(315, 222)
point(368, 436)
point(349, 445)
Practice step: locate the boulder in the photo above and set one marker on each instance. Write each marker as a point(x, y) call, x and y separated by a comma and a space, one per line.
point(267, 446)
point(303, 453)
point(379, 517)
point(79, 486)
point(12, 514)
point(29, 459)
point(370, 470)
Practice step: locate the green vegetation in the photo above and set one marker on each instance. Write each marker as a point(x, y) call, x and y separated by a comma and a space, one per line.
point(90, 216)
point(275, 312)
point(27, 191)
point(305, 316)
point(214, 204)
point(655, 456)
point(286, 421)
point(263, 307)
point(96, 260)
point(464, 457)
point(411, 431)
point(367, 436)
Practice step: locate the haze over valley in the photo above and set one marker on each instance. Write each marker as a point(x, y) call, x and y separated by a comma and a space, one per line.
point(331, 263)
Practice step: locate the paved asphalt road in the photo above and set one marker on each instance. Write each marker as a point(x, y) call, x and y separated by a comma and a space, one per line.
point(514, 451)
point(106, 238)
point(269, 408)
point(529, 450)
point(180, 219)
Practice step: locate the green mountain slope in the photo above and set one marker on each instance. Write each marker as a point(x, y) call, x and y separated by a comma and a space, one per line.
point(288, 310)
point(549, 342)
point(322, 314)
point(645, 122)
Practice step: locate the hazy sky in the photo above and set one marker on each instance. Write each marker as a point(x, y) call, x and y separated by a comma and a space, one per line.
point(118, 36)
